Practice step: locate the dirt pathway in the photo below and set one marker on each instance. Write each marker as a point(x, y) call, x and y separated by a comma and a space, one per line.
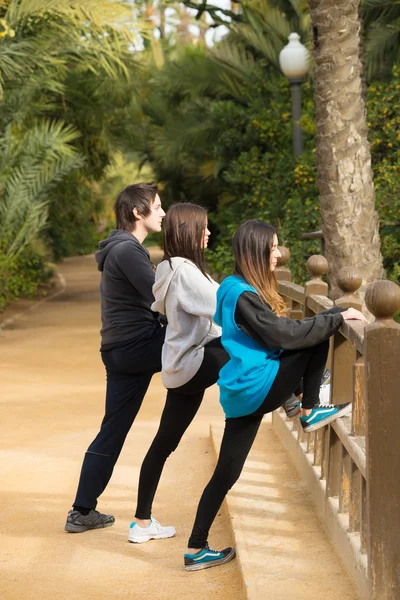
point(51, 395)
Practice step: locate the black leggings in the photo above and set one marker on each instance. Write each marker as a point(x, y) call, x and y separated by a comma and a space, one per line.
point(180, 409)
point(240, 433)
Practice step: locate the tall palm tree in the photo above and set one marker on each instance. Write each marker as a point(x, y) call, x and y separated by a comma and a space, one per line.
point(349, 219)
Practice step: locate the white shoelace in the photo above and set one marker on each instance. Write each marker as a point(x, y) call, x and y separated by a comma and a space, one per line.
point(156, 523)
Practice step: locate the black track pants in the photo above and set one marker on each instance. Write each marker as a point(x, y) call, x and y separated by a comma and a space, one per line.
point(129, 371)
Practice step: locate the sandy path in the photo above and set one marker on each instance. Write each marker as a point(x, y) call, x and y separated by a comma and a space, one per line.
point(51, 395)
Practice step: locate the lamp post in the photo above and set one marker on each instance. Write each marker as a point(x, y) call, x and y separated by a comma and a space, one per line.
point(293, 60)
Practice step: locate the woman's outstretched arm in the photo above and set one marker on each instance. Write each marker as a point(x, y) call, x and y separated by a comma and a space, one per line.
point(256, 319)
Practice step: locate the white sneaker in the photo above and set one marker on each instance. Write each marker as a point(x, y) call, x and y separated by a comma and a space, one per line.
point(154, 531)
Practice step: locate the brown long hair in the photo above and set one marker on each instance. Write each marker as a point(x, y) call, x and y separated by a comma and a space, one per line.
point(252, 245)
point(183, 230)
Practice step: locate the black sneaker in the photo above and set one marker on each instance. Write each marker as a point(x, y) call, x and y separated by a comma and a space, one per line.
point(77, 523)
point(292, 407)
point(206, 558)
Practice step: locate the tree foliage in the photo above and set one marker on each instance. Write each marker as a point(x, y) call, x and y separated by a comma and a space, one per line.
point(215, 125)
point(62, 67)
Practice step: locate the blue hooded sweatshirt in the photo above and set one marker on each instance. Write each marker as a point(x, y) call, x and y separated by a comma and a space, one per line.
point(247, 377)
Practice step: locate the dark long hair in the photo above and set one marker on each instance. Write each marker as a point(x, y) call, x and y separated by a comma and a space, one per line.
point(252, 245)
point(140, 196)
point(183, 230)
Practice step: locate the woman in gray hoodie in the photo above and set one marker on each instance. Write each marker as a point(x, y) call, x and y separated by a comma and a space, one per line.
point(192, 354)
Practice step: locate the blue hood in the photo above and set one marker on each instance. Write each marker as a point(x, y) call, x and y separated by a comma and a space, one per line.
point(247, 377)
point(225, 287)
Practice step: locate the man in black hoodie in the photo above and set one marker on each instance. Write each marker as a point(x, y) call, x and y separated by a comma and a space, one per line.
point(131, 342)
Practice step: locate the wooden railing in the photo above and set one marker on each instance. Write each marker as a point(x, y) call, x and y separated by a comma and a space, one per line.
point(354, 463)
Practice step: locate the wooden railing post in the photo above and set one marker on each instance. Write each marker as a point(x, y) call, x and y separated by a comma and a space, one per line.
point(282, 272)
point(382, 387)
point(358, 420)
point(316, 266)
point(345, 356)
point(349, 280)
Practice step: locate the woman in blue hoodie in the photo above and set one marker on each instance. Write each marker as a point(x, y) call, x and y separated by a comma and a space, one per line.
point(269, 355)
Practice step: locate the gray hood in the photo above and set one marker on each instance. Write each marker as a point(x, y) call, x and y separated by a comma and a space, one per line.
point(164, 275)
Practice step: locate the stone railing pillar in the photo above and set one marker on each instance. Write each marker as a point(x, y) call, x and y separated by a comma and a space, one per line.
point(382, 392)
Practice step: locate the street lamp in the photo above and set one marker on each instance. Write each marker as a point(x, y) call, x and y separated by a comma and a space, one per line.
point(293, 60)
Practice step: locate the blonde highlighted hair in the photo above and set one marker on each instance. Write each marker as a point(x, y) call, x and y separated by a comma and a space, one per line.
point(252, 246)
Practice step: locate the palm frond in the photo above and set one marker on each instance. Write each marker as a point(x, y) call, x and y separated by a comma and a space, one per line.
point(380, 10)
point(32, 164)
point(382, 47)
point(98, 35)
point(189, 75)
point(261, 35)
point(100, 13)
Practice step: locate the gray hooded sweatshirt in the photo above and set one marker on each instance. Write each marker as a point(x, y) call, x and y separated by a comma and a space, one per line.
point(188, 299)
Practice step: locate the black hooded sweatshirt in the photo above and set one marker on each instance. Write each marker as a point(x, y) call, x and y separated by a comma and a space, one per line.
point(126, 290)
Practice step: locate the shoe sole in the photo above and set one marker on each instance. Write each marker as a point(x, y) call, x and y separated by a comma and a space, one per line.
point(211, 563)
point(141, 540)
point(70, 528)
point(340, 413)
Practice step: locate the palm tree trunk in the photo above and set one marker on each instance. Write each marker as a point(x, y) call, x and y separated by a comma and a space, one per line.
point(349, 219)
point(361, 54)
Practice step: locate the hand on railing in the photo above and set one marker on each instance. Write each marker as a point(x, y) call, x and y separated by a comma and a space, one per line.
point(353, 314)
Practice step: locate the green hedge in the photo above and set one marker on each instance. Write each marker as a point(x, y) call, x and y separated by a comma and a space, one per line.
point(22, 276)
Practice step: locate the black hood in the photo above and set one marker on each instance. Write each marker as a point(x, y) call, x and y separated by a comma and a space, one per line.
point(116, 237)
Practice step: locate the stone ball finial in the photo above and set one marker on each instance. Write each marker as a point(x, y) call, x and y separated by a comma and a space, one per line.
point(317, 265)
point(285, 255)
point(383, 299)
point(349, 279)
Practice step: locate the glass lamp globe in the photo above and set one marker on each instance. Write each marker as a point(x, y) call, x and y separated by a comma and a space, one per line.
point(294, 57)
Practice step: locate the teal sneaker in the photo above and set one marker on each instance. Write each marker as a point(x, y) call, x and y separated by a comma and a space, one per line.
point(322, 415)
point(206, 558)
